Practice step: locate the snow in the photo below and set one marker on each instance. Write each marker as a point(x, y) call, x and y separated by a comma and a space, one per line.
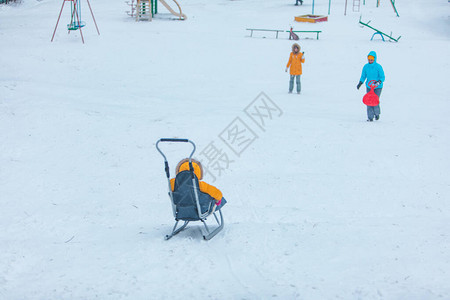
point(321, 204)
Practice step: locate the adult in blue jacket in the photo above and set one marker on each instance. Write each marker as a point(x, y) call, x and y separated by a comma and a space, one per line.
point(372, 71)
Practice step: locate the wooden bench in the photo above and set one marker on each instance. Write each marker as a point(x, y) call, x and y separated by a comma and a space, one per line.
point(274, 30)
point(307, 31)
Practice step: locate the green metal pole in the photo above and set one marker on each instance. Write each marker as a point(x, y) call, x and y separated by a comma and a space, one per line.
point(395, 9)
point(313, 7)
point(329, 7)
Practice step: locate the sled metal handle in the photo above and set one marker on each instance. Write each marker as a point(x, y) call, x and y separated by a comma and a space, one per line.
point(174, 140)
point(191, 170)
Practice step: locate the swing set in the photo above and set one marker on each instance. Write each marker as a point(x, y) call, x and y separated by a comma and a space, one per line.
point(75, 19)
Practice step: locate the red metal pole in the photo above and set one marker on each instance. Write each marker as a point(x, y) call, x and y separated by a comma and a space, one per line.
point(78, 19)
point(93, 16)
point(64, 1)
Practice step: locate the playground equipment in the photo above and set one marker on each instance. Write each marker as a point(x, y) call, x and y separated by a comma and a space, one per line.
point(357, 4)
point(311, 18)
point(180, 15)
point(393, 6)
point(329, 7)
point(308, 31)
point(144, 10)
point(291, 32)
point(75, 20)
point(382, 34)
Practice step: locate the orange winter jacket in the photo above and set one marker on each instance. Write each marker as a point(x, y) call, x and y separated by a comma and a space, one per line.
point(295, 62)
point(204, 187)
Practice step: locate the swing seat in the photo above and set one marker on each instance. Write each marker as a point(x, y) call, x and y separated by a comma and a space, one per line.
point(75, 26)
point(190, 204)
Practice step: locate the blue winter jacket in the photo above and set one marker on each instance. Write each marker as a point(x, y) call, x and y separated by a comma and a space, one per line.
point(372, 71)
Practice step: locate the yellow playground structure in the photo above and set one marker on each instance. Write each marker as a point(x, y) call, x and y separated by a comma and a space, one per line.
point(144, 10)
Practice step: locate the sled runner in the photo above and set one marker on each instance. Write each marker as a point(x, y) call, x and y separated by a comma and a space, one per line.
point(371, 99)
point(188, 202)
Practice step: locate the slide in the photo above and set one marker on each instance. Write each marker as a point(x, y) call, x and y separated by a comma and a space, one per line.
point(180, 14)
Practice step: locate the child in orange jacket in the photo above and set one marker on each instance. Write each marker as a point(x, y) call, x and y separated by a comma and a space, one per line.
point(211, 190)
point(295, 63)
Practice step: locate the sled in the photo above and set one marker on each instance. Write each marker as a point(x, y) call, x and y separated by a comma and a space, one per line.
point(189, 204)
point(371, 99)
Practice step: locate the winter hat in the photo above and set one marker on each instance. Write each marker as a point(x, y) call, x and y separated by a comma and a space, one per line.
point(294, 46)
point(184, 166)
point(370, 57)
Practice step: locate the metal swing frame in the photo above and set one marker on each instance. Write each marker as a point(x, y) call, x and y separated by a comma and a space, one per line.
point(207, 233)
point(75, 20)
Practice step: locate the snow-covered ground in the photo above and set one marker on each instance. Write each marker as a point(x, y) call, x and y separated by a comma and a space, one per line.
point(321, 203)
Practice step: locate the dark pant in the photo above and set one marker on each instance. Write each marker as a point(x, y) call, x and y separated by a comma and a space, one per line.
point(297, 1)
